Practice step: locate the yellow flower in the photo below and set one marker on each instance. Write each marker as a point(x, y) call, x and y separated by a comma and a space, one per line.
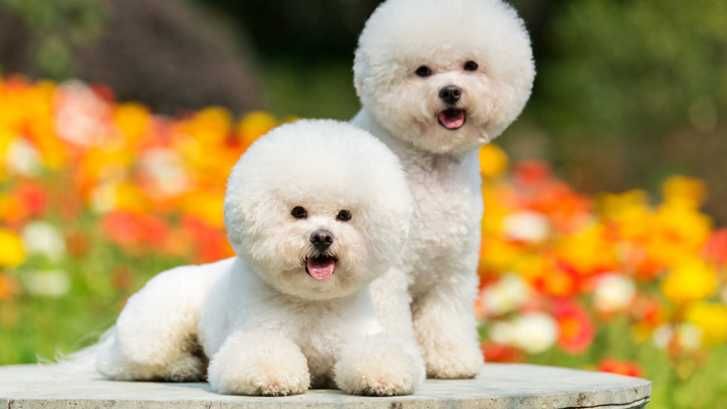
point(588, 250)
point(132, 121)
point(690, 280)
point(12, 252)
point(711, 318)
point(493, 161)
point(684, 190)
point(254, 125)
point(206, 206)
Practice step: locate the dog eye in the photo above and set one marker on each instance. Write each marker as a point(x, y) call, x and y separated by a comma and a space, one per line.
point(344, 215)
point(471, 66)
point(299, 212)
point(424, 71)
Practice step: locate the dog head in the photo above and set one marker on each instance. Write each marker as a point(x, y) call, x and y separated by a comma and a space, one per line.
point(445, 76)
point(318, 209)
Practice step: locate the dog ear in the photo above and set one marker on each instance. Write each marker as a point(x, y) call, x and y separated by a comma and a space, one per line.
point(360, 71)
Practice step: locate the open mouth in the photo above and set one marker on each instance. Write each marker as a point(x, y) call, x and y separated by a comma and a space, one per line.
point(321, 267)
point(452, 118)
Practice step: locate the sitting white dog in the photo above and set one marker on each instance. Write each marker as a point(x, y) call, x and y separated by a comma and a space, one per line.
point(315, 211)
point(437, 79)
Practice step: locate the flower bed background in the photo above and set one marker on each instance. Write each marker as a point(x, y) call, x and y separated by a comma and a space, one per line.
point(97, 196)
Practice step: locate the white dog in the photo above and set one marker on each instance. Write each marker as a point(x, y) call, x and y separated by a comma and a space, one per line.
point(437, 79)
point(315, 211)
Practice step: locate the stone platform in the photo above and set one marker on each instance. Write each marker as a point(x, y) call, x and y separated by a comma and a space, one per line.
point(498, 387)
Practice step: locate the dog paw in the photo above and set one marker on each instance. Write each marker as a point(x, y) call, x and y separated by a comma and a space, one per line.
point(449, 360)
point(265, 367)
point(378, 369)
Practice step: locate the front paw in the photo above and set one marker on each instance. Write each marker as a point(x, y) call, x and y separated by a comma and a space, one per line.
point(259, 366)
point(451, 358)
point(378, 369)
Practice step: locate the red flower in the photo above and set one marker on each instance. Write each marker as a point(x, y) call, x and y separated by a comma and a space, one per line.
point(716, 248)
point(500, 353)
point(210, 243)
point(620, 367)
point(576, 330)
point(33, 198)
point(134, 231)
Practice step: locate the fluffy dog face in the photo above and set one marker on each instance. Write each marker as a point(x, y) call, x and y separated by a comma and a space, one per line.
point(445, 76)
point(318, 209)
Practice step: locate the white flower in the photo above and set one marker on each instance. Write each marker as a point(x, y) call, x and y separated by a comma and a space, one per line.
point(533, 332)
point(103, 197)
point(531, 227)
point(165, 170)
point(45, 239)
point(508, 294)
point(663, 335)
point(52, 283)
point(22, 158)
point(614, 292)
point(689, 337)
point(80, 114)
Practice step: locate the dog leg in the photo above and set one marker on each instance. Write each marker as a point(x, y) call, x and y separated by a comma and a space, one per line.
point(378, 366)
point(155, 337)
point(446, 329)
point(259, 364)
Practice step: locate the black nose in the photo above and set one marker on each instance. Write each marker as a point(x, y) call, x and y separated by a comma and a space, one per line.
point(450, 94)
point(321, 239)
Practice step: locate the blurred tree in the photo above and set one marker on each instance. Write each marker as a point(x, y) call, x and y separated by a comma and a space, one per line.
point(630, 90)
point(168, 54)
point(57, 27)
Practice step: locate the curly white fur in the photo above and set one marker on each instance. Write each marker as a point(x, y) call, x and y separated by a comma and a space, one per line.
point(435, 285)
point(268, 326)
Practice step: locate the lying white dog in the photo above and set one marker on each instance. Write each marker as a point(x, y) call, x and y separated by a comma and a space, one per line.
point(437, 79)
point(315, 211)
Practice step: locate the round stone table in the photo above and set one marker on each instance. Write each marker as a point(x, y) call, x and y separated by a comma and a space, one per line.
point(497, 387)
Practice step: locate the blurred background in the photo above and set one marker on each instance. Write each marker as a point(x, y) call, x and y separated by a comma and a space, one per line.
point(628, 95)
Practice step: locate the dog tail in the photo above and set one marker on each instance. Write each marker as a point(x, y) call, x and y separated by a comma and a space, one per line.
point(83, 362)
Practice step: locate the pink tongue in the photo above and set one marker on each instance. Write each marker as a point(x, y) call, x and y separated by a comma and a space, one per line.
point(452, 121)
point(321, 270)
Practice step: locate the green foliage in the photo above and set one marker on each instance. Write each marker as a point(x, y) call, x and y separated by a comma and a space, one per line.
point(635, 68)
point(56, 28)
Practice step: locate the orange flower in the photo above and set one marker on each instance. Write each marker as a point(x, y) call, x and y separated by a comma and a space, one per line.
point(620, 367)
point(134, 232)
point(576, 331)
point(494, 352)
point(716, 248)
point(8, 287)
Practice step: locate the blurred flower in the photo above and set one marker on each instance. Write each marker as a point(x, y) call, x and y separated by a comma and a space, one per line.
point(133, 231)
point(575, 329)
point(613, 292)
point(254, 125)
point(711, 319)
point(22, 158)
point(716, 248)
point(81, 115)
point(164, 172)
point(506, 295)
point(12, 252)
point(689, 337)
point(533, 332)
point(691, 280)
point(45, 239)
point(528, 227)
point(51, 283)
point(501, 353)
point(620, 367)
point(684, 190)
point(493, 161)
point(8, 287)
